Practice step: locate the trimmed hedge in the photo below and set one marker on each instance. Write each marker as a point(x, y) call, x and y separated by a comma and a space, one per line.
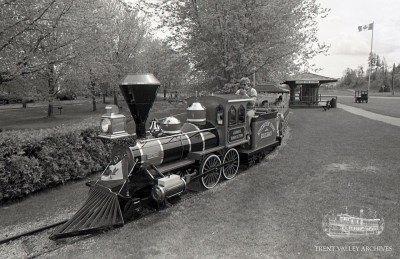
point(32, 160)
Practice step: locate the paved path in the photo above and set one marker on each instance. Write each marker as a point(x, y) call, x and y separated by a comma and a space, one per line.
point(372, 97)
point(370, 115)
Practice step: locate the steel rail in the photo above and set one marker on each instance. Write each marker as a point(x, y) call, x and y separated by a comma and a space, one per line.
point(31, 232)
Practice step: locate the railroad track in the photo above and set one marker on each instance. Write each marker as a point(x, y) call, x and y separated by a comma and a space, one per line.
point(35, 243)
point(32, 232)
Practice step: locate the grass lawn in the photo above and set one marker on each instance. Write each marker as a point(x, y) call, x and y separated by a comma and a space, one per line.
point(72, 112)
point(328, 160)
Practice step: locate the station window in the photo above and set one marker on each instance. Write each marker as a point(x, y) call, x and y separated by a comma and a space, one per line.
point(241, 114)
point(220, 115)
point(232, 116)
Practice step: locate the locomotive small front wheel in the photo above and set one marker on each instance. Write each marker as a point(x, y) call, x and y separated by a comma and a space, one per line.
point(131, 211)
point(231, 163)
point(211, 170)
point(184, 172)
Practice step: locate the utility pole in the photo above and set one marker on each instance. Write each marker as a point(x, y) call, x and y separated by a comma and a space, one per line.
point(364, 28)
point(370, 64)
point(393, 71)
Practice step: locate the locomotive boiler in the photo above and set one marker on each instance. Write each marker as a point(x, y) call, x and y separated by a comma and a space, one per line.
point(220, 133)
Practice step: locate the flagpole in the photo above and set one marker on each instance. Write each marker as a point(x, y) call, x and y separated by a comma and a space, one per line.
point(370, 55)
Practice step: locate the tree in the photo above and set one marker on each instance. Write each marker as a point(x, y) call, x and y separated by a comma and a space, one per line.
point(168, 65)
point(68, 27)
point(21, 36)
point(121, 41)
point(225, 40)
point(66, 42)
point(378, 73)
point(41, 38)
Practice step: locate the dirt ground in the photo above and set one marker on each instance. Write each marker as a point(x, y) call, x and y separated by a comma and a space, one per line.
point(328, 160)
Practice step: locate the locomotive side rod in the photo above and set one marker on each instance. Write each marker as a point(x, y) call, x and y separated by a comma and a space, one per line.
point(210, 171)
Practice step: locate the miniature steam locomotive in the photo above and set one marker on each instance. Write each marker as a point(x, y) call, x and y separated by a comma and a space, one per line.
point(221, 133)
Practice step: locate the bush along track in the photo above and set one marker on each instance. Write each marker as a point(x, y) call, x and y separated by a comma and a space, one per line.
point(33, 160)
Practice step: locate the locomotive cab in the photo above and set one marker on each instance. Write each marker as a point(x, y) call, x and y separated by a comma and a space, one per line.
point(228, 114)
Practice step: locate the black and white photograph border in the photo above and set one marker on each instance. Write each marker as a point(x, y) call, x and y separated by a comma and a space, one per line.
point(199, 129)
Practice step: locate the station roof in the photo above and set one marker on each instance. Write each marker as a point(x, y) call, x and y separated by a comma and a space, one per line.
point(270, 87)
point(309, 78)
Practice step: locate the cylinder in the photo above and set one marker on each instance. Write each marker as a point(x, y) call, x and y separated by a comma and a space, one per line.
point(168, 187)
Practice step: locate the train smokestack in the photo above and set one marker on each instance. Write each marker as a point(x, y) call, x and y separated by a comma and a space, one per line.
point(139, 91)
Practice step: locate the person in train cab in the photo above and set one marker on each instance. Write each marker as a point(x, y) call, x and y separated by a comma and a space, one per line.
point(251, 92)
point(241, 91)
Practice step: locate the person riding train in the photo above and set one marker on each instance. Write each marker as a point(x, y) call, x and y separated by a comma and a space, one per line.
point(248, 90)
point(245, 89)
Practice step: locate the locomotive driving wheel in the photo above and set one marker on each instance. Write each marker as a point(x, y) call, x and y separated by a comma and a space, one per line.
point(231, 164)
point(211, 170)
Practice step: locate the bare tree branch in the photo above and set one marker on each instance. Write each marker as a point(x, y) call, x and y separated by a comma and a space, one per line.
point(11, 39)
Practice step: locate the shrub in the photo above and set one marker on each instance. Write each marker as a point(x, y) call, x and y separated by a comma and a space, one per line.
point(10, 99)
point(36, 159)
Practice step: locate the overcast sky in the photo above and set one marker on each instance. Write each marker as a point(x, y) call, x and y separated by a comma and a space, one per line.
point(350, 48)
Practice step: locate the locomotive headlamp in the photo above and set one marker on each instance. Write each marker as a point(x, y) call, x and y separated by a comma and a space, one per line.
point(105, 125)
point(113, 124)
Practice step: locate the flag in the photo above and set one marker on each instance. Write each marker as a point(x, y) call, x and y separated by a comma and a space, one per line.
point(366, 27)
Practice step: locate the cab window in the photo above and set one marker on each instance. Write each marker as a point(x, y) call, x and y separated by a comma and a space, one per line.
point(241, 114)
point(232, 116)
point(220, 115)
